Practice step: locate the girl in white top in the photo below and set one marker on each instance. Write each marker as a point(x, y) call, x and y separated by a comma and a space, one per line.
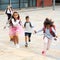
point(49, 33)
point(9, 12)
point(15, 28)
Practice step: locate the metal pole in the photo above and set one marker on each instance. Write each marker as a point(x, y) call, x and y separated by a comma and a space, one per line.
point(42, 3)
point(10, 2)
point(53, 4)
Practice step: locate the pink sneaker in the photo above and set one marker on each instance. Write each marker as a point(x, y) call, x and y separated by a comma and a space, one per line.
point(43, 53)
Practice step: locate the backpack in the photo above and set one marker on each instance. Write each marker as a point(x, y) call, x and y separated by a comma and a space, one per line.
point(29, 24)
point(52, 33)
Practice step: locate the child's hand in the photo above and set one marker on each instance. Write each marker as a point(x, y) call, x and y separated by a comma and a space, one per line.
point(55, 38)
point(35, 31)
point(4, 27)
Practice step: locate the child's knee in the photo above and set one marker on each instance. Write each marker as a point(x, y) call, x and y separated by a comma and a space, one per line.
point(45, 40)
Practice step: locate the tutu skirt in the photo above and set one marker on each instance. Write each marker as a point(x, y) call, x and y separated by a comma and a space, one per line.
point(16, 30)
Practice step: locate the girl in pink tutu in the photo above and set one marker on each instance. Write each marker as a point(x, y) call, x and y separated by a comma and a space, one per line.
point(15, 28)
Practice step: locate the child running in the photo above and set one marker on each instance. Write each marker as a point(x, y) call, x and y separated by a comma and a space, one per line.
point(49, 32)
point(9, 11)
point(28, 30)
point(15, 28)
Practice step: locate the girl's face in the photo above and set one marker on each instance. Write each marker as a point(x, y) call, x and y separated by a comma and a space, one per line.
point(15, 15)
point(47, 26)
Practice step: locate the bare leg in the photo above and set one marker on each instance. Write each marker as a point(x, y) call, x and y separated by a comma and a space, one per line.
point(26, 39)
point(45, 46)
point(11, 38)
point(48, 45)
point(29, 39)
point(29, 36)
point(26, 45)
point(15, 40)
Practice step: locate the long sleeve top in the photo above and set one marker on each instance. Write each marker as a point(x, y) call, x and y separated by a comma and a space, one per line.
point(47, 32)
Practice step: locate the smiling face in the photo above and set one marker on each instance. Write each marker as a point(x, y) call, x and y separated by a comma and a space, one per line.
point(15, 15)
point(48, 26)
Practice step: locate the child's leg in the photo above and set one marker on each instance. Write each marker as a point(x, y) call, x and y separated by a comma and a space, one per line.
point(45, 46)
point(26, 44)
point(9, 16)
point(16, 41)
point(11, 38)
point(45, 43)
point(26, 37)
point(29, 36)
point(49, 43)
point(14, 37)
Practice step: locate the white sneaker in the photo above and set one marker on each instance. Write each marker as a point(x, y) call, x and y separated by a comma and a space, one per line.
point(17, 46)
point(11, 43)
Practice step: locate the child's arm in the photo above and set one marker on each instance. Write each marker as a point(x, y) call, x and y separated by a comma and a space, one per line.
point(7, 24)
point(21, 24)
point(24, 25)
point(54, 32)
point(31, 25)
point(15, 23)
point(39, 30)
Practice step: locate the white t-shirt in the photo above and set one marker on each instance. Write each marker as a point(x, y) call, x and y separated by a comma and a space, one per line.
point(15, 23)
point(28, 28)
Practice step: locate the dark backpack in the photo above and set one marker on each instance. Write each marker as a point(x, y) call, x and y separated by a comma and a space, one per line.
point(52, 33)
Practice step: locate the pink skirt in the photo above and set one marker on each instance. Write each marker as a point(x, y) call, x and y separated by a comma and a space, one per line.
point(16, 30)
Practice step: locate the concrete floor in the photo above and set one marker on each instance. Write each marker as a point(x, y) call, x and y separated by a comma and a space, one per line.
point(33, 52)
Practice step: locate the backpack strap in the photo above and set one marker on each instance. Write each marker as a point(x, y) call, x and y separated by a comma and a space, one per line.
point(54, 27)
point(52, 33)
point(44, 29)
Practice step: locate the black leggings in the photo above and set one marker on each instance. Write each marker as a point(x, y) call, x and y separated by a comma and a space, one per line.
point(9, 16)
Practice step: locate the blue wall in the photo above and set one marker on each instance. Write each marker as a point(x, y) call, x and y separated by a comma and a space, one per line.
point(3, 4)
point(17, 3)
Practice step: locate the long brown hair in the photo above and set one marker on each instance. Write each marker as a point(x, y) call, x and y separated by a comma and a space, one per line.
point(17, 17)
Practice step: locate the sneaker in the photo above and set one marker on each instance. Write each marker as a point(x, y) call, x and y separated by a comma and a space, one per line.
point(17, 46)
point(29, 40)
point(44, 53)
point(26, 45)
point(55, 39)
point(11, 43)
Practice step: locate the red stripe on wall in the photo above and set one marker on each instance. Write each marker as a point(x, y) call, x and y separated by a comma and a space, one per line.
point(46, 3)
